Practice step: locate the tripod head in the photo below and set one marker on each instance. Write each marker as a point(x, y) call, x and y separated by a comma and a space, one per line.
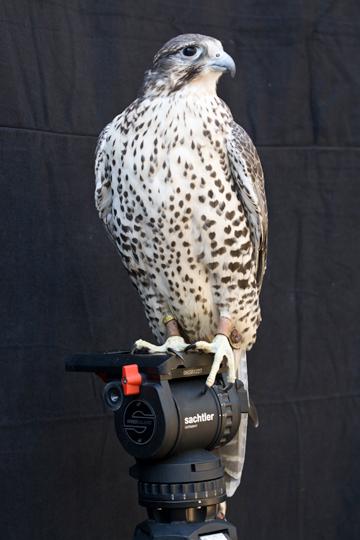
point(166, 419)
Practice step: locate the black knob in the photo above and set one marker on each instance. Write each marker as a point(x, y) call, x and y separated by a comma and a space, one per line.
point(113, 395)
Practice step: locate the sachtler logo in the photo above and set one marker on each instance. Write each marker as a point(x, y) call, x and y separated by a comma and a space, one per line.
point(197, 418)
point(139, 421)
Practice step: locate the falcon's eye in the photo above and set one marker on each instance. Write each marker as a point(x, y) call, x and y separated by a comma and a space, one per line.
point(189, 51)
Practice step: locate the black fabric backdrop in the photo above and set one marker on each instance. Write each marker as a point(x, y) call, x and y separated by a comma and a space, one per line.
point(67, 67)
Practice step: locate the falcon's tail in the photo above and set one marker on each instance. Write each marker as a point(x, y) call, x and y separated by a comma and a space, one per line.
point(233, 453)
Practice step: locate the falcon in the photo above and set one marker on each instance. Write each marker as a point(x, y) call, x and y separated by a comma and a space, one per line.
point(180, 188)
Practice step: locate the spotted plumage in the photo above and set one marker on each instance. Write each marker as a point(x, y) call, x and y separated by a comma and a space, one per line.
point(180, 188)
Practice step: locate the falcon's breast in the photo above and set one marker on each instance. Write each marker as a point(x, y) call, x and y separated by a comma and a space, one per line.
point(167, 195)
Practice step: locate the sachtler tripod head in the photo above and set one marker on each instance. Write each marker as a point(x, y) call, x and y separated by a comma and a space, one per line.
point(169, 421)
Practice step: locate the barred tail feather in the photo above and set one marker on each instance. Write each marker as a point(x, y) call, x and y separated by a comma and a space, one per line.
point(233, 453)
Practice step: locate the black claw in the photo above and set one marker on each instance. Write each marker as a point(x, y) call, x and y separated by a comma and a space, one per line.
point(204, 390)
point(135, 350)
point(190, 347)
point(176, 353)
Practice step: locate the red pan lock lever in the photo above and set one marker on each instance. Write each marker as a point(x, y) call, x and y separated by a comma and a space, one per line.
point(131, 380)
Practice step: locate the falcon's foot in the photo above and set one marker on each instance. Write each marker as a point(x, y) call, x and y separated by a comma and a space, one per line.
point(220, 347)
point(173, 343)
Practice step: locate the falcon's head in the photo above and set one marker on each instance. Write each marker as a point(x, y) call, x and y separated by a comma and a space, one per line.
point(185, 59)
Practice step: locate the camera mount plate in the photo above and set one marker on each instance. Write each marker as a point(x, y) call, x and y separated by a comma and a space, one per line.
point(157, 366)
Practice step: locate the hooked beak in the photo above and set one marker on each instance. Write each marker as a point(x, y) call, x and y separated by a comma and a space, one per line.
point(223, 63)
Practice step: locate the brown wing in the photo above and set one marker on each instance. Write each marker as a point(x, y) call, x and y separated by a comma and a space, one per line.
point(249, 180)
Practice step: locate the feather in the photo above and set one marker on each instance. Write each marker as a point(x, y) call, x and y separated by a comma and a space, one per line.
point(249, 181)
